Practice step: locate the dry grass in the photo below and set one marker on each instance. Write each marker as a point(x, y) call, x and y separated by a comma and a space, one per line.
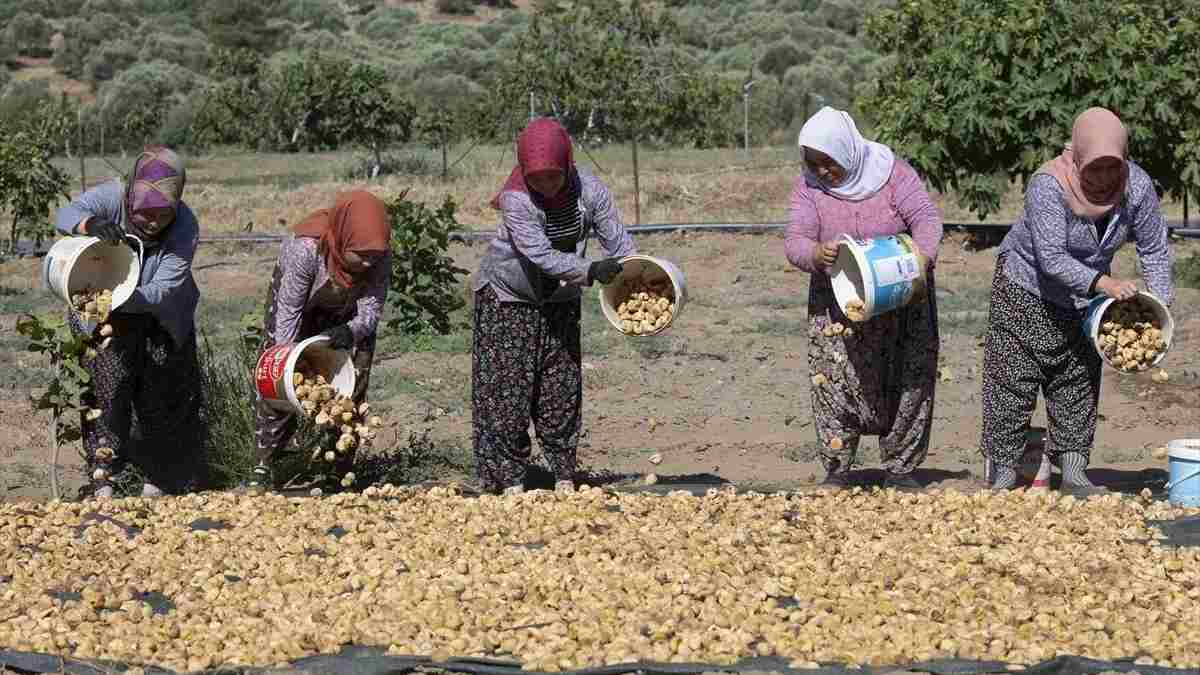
point(268, 191)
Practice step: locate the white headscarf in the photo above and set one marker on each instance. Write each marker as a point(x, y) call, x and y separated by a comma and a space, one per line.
point(868, 164)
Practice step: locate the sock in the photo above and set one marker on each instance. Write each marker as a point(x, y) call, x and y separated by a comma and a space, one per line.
point(1004, 477)
point(1073, 464)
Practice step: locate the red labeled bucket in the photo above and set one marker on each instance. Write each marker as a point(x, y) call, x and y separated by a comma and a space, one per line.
point(274, 375)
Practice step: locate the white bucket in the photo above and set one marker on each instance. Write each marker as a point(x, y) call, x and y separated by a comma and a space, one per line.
point(1183, 488)
point(642, 269)
point(1098, 307)
point(75, 263)
point(277, 366)
point(882, 273)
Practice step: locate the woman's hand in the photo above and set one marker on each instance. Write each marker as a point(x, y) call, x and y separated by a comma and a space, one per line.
point(105, 229)
point(1117, 289)
point(823, 255)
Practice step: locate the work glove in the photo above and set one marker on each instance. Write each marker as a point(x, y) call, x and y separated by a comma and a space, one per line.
point(340, 337)
point(106, 230)
point(604, 271)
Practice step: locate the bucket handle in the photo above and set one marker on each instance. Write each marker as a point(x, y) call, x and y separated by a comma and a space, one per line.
point(1171, 484)
point(141, 248)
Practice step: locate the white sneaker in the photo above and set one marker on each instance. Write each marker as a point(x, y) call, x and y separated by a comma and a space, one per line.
point(104, 492)
point(150, 490)
point(564, 486)
point(514, 490)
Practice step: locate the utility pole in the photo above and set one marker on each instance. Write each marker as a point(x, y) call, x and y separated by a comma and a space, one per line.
point(746, 110)
point(531, 114)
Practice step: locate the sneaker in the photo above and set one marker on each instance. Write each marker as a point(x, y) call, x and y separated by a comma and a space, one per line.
point(901, 481)
point(261, 479)
point(564, 486)
point(514, 490)
point(150, 491)
point(103, 492)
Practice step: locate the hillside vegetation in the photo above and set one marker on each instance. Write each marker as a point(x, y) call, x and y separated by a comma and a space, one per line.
point(115, 57)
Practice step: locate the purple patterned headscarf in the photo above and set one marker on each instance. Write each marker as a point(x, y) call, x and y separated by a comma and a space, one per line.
point(157, 182)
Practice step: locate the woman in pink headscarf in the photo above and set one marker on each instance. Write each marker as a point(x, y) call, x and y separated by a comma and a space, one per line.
point(526, 351)
point(150, 366)
point(1080, 208)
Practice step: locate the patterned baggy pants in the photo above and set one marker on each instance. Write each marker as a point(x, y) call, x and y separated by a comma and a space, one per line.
point(878, 380)
point(525, 366)
point(1031, 346)
point(146, 384)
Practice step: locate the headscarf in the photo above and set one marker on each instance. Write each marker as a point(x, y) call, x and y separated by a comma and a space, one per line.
point(156, 182)
point(357, 222)
point(868, 164)
point(542, 145)
point(1097, 134)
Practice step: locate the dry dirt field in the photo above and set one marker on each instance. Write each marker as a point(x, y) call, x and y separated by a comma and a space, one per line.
point(722, 397)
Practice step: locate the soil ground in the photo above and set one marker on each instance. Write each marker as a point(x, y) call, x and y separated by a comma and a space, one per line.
point(723, 396)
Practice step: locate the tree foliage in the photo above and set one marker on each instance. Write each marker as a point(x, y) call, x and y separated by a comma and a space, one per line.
point(29, 33)
point(980, 93)
point(424, 285)
point(30, 182)
point(575, 61)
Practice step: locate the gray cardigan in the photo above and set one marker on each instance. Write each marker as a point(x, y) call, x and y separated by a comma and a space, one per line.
point(166, 290)
point(521, 248)
point(1054, 254)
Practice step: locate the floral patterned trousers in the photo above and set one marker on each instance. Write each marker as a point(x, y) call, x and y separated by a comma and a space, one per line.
point(525, 365)
point(878, 379)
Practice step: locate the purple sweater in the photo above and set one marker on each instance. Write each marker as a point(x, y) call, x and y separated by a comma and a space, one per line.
point(901, 205)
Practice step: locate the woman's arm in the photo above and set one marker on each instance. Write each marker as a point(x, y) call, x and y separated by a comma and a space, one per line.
point(298, 264)
point(1150, 238)
point(1046, 217)
point(530, 240)
point(918, 211)
point(370, 306)
point(103, 201)
point(613, 236)
point(804, 228)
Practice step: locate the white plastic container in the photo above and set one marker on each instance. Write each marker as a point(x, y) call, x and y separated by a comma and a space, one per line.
point(1098, 307)
point(883, 273)
point(273, 376)
point(75, 263)
point(1183, 488)
point(642, 269)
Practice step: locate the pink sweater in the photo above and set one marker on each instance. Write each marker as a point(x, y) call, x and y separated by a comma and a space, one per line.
point(902, 205)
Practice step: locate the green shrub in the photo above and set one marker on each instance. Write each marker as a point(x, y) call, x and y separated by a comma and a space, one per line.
point(459, 7)
point(1186, 271)
point(387, 24)
point(313, 15)
point(425, 280)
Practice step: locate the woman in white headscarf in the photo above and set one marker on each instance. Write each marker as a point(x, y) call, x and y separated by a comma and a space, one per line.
point(874, 377)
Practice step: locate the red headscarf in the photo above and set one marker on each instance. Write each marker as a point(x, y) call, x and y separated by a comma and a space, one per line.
point(357, 222)
point(543, 145)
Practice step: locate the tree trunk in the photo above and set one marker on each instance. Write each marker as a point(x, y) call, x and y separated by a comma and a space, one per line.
point(445, 160)
point(12, 242)
point(637, 191)
point(1185, 207)
point(378, 158)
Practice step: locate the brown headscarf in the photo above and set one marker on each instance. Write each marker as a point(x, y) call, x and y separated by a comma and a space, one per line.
point(1097, 134)
point(357, 222)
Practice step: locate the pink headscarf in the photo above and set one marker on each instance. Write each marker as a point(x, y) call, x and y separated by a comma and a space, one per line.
point(543, 145)
point(1097, 134)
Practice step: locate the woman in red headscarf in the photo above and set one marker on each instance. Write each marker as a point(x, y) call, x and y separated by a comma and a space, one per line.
point(1079, 209)
point(331, 279)
point(526, 351)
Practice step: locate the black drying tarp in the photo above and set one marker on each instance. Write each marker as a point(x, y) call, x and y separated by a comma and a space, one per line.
point(374, 661)
point(1180, 532)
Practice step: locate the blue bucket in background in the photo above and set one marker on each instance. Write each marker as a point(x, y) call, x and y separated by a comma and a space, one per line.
point(883, 273)
point(1183, 488)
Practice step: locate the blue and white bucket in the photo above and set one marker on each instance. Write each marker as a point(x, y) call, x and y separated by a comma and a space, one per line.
point(882, 273)
point(1183, 488)
point(1098, 307)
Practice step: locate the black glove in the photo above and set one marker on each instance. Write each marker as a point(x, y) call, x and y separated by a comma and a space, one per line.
point(106, 230)
point(340, 337)
point(604, 271)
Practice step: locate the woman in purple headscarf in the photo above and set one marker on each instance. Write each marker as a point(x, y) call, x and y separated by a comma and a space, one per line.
point(149, 368)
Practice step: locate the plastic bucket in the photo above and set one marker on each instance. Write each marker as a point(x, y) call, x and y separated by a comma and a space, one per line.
point(882, 273)
point(1098, 307)
point(75, 263)
point(277, 365)
point(1183, 489)
point(642, 269)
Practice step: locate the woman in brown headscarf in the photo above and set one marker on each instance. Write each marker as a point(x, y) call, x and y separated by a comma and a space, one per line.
point(331, 279)
point(1079, 209)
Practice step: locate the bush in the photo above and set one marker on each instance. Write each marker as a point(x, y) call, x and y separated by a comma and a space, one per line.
point(187, 48)
point(176, 130)
point(109, 59)
point(387, 23)
point(392, 164)
point(1186, 271)
point(80, 37)
point(460, 7)
point(313, 15)
point(424, 285)
point(122, 101)
point(29, 33)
